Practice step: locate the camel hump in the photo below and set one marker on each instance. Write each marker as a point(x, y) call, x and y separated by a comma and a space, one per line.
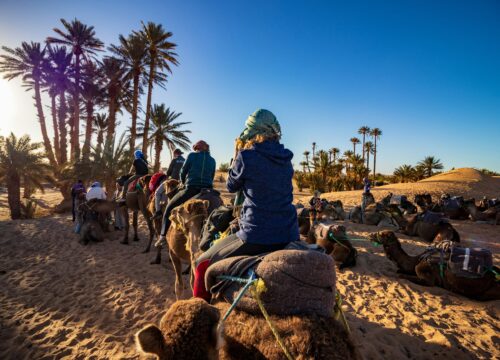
point(298, 282)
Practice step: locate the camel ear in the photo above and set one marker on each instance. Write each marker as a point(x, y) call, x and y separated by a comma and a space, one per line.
point(206, 204)
point(150, 340)
point(189, 206)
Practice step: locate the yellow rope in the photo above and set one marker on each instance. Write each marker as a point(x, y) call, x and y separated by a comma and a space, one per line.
point(258, 288)
point(338, 313)
point(222, 235)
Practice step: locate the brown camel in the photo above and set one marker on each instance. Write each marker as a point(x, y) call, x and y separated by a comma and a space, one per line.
point(190, 330)
point(94, 218)
point(333, 239)
point(430, 231)
point(420, 270)
point(491, 215)
point(374, 215)
point(137, 200)
point(303, 217)
point(183, 238)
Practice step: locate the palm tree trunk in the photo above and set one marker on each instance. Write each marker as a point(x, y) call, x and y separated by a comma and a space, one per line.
point(363, 148)
point(148, 106)
point(41, 117)
point(374, 159)
point(76, 111)
point(112, 117)
point(63, 144)
point(158, 148)
point(88, 130)
point(14, 195)
point(354, 148)
point(368, 162)
point(135, 102)
point(100, 140)
point(53, 109)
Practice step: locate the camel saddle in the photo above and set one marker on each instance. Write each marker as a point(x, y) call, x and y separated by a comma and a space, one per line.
point(297, 281)
point(133, 185)
point(213, 197)
point(434, 218)
point(470, 262)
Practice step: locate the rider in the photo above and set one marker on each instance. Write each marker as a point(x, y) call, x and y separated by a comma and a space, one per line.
point(77, 189)
point(140, 167)
point(263, 170)
point(196, 174)
point(96, 192)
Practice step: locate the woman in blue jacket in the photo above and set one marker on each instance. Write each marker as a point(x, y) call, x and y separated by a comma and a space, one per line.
point(262, 169)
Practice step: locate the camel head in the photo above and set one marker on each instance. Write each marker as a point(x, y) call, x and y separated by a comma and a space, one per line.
point(170, 185)
point(187, 331)
point(386, 238)
point(337, 232)
point(189, 219)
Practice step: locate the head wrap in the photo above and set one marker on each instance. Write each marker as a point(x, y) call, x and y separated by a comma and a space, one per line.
point(201, 146)
point(138, 154)
point(96, 184)
point(261, 122)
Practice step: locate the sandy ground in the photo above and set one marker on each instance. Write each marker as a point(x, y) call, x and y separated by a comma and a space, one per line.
point(62, 300)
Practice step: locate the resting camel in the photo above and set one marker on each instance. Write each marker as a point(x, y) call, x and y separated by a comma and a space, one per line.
point(374, 214)
point(333, 239)
point(137, 200)
point(184, 236)
point(491, 214)
point(191, 330)
point(452, 207)
point(94, 215)
point(420, 270)
point(435, 231)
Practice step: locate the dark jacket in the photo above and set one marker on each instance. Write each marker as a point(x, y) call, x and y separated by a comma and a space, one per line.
point(140, 166)
point(174, 169)
point(264, 173)
point(198, 170)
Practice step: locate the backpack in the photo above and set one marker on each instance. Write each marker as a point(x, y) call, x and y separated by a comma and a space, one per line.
point(218, 221)
point(470, 262)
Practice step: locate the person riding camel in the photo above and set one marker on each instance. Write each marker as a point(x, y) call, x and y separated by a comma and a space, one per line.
point(96, 192)
point(263, 170)
point(196, 174)
point(173, 172)
point(139, 168)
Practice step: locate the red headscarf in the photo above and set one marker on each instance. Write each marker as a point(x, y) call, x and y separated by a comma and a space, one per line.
point(201, 146)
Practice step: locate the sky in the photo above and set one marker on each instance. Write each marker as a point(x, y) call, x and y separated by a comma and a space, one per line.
point(425, 72)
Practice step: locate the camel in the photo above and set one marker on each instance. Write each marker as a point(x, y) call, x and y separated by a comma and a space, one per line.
point(422, 270)
point(191, 329)
point(93, 216)
point(303, 217)
point(491, 214)
point(452, 207)
point(183, 238)
point(333, 239)
point(136, 201)
point(404, 205)
point(374, 215)
point(430, 231)
point(330, 211)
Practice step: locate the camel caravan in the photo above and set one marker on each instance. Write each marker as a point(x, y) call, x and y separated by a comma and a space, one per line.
point(262, 270)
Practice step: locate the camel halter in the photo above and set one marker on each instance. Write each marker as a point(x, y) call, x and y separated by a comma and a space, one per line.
point(182, 225)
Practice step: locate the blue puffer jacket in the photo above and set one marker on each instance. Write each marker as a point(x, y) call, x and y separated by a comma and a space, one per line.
point(198, 170)
point(264, 173)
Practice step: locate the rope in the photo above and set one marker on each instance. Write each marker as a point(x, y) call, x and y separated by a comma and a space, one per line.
point(248, 282)
point(338, 313)
point(497, 275)
point(330, 235)
point(259, 288)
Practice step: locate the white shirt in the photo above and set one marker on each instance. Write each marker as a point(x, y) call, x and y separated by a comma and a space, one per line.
point(96, 193)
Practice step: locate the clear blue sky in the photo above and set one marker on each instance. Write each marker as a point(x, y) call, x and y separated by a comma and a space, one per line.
point(426, 72)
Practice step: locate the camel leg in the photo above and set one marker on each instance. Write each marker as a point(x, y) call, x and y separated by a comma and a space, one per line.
point(151, 230)
point(157, 259)
point(136, 216)
point(127, 225)
point(179, 283)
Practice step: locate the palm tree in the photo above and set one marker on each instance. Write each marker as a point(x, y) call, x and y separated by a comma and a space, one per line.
point(368, 151)
point(335, 152)
point(161, 56)
point(404, 173)
point(429, 164)
point(164, 129)
point(314, 149)
point(375, 133)
point(28, 62)
point(354, 141)
point(364, 130)
point(20, 159)
point(100, 122)
point(116, 88)
point(133, 52)
point(92, 95)
point(83, 42)
point(306, 154)
point(56, 76)
point(347, 155)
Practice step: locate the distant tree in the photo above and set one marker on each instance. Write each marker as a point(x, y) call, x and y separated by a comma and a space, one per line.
point(224, 167)
point(334, 152)
point(83, 42)
point(429, 164)
point(100, 122)
point(21, 159)
point(404, 173)
point(368, 151)
point(375, 133)
point(306, 155)
point(354, 141)
point(364, 130)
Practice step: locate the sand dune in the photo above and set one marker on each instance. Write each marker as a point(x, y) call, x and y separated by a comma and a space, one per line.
point(63, 300)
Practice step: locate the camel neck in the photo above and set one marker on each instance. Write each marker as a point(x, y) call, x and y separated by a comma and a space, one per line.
point(405, 262)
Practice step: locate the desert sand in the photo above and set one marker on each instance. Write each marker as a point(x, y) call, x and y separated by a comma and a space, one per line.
point(63, 300)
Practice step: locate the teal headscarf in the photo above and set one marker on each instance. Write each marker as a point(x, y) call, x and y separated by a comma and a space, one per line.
point(261, 122)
